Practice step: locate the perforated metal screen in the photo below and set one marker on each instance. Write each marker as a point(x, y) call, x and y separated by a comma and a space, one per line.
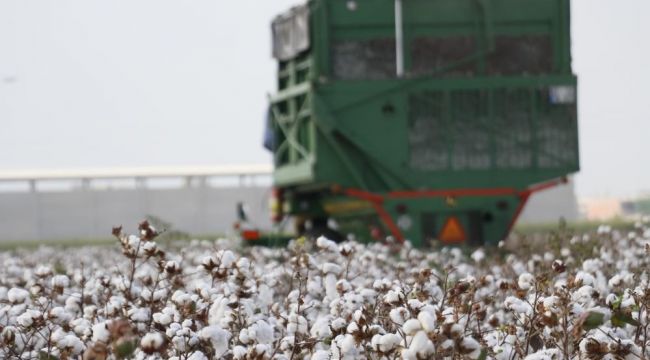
point(491, 129)
point(363, 59)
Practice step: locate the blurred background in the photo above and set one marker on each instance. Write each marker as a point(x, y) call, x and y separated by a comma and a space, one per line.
point(120, 109)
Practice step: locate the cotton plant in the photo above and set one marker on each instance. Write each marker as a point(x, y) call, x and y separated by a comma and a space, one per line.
point(584, 296)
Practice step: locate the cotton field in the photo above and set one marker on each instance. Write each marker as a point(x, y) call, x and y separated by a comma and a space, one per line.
point(581, 297)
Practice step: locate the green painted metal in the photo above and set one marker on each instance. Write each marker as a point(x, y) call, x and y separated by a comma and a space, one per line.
point(488, 101)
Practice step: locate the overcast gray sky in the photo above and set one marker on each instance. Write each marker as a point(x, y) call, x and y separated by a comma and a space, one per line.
point(87, 83)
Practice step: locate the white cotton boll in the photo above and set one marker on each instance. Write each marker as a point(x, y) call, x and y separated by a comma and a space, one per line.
point(330, 286)
point(348, 346)
point(239, 352)
point(72, 304)
point(172, 266)
point(27, 318)
point(546, 354)
point(427, 321)
point(374, 342)
point(421, 345)
point(152, 341)
point(244, 337)
point(81, 327)
point(398, 315)
point(584, 295)
point(592, 265)
point(321, 328)
point(133, 241)
point(17, 295)
point(297, 325)
point(227, 258)
point(149, 246)
point(369, 295)
point(615, 281)
point(159, 294)
point(179, 343)
point(101, 333)
point(182, 298)
point(343, 286)
point(389, 342)
point(517, 305)
point(243, 263)
point(576, 309)
point(393, 297)
point(197, 355)
point(338, 324)
point(139, 314)
point(218, 337)
point(411, 326)
point(478, 255)
point(208, 261)
point(327, 245)
point(381, 284)
point(172, 329)
point(352, 328)
point(628, 301)
point(331, 268)
point(604, 229)
point(526, 281)
point(409, 354)
point(43, 271)
point(321, 355)
point(585, 278)
point(71, 343)
point(470, 347)
point(552, 304)
point(146, 294)
point(262, 350)
point(162, 319)
point(611, 299)
point(58, 335)
point(59, 316)
point(358, 316)
point(261, 332)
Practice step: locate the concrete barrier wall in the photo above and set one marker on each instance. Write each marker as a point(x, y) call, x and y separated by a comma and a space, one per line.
point(89, 214)
point(92, 213)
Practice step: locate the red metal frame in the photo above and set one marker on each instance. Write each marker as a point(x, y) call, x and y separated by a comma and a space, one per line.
point(377, 200)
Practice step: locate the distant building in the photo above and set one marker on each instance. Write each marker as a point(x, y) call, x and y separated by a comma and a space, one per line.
point(601, 208)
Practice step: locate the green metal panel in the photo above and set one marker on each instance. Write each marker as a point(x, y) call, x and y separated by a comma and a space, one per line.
point(488, 101)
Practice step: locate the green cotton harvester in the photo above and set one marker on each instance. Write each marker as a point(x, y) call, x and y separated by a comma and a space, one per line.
point(420, 120)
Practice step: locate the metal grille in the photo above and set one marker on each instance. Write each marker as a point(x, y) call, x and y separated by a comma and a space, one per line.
point(443, 56)
point(522, 54)
point(556, 133)
point(428, 145)
point(512, 126)
point(471, 141)
point(364, 59)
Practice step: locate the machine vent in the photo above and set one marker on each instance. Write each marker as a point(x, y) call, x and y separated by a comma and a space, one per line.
point(428, 134)
point(364, 59)
point(512, 129)
point(443, 56)
point(522, 54)
point(556, 132)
